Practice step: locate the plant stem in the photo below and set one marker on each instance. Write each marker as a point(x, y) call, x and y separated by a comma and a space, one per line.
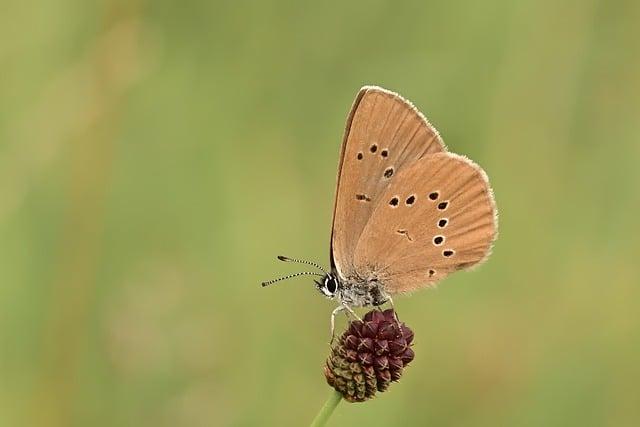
point(327, 409)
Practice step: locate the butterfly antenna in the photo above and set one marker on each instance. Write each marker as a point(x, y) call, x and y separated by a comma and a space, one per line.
point(304, 273)
point(300, 261)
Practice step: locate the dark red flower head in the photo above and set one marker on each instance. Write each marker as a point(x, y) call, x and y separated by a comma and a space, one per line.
point(369, 356)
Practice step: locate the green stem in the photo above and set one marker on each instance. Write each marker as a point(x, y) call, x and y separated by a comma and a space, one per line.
point(327, 409)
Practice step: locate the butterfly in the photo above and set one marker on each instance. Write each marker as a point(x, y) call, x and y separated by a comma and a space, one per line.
point(407, 212)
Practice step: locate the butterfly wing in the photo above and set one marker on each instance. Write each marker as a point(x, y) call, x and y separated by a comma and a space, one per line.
point(384, 135)
point(436, 217)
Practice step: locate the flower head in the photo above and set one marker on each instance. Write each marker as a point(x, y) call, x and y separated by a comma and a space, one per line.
point(369, 356)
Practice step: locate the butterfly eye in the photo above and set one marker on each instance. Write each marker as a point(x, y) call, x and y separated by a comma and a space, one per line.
point(447, 253)
point(438, 240)
point(388, 173)
point(442, 223)
point(359, 156)
point(331, 285)
point(384, 153)
point(443, 205)
point(373, 148)
point(394, 202)
point(410, 200)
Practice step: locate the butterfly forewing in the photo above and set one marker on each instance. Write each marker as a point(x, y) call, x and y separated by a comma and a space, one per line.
point(438, 216)
point(384, 136)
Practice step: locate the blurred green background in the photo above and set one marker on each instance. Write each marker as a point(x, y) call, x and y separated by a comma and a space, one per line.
point(156, 156)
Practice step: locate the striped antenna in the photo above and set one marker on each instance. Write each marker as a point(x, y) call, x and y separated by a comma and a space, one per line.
point(304, 273)
point(300, 261)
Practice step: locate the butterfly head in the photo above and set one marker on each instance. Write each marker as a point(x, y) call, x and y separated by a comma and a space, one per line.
point(328, 286)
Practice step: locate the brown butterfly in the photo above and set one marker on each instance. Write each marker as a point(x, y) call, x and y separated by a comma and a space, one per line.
point(407, 212)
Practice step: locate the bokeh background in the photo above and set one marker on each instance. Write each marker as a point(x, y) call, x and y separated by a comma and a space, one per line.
point(156, 156)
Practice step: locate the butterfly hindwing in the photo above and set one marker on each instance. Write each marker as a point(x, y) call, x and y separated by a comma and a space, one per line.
point(436, 217)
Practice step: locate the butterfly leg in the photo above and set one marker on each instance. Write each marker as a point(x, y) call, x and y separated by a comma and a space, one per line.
point(351, 312)
point(395, 313)
point(337, 310)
